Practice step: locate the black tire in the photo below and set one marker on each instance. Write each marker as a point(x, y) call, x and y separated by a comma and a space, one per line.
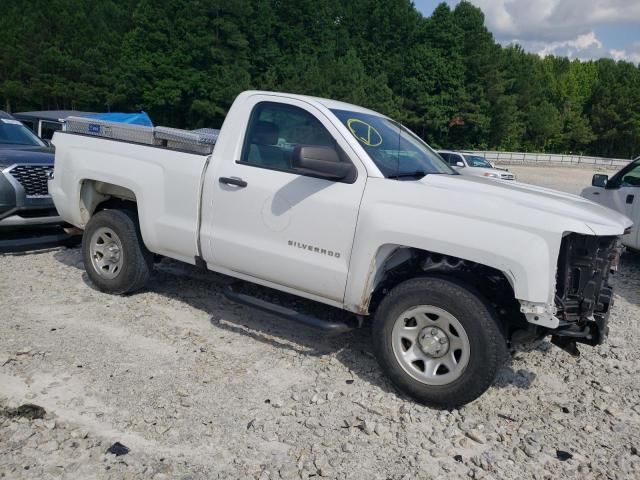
point(137, 260)
point(487, 345)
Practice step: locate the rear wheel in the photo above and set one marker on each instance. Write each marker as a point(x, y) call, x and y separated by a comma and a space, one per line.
point(438, 341)
point(115, 257)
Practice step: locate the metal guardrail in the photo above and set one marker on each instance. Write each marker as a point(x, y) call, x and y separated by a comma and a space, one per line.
point(523, 158)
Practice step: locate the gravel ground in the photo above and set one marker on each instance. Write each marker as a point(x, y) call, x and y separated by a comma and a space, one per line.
point(198, 387)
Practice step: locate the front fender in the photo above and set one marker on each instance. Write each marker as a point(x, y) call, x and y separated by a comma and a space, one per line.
point(525, 249)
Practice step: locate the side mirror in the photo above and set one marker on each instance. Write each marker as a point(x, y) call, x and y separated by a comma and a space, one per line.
point(600, 180)
point(459, 164)
point(322, 162)
point(47, 142)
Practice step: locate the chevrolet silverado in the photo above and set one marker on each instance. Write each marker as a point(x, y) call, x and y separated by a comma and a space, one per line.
point(344, 206)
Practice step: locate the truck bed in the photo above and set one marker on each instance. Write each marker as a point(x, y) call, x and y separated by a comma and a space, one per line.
point(164, 179)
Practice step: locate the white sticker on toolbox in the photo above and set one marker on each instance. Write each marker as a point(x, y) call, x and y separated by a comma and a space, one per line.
point(11, 121)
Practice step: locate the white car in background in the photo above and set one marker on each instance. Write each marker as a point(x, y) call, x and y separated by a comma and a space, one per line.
point(475, 165)
point(619, 193)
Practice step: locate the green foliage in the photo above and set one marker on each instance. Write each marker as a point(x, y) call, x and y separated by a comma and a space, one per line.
point(184, 61)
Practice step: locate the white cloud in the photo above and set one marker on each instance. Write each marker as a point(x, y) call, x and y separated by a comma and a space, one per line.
point(561, 27)
point(555, 20)
point(588, 41)
point(631, 54)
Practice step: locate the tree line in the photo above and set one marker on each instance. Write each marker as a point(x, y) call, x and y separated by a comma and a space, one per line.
point(444, 76)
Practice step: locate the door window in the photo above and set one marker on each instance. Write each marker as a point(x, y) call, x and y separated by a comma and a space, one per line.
point(274, 131)
point(455, 159)
point(451, 158)
point(631, 178)
point(49, 128)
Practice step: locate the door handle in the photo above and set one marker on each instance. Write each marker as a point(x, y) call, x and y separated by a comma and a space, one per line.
point(236, 182)
point(629, 198)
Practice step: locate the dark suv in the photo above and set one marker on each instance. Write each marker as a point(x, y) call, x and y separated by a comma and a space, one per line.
point(25, 165)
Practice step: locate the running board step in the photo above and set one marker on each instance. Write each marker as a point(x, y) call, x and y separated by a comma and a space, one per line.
point(287, 313)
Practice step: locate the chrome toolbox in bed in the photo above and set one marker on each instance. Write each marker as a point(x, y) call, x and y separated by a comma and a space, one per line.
point(117, 131)
point(199, 141)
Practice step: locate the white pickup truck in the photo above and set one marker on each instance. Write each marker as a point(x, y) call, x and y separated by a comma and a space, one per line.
point(344, 206)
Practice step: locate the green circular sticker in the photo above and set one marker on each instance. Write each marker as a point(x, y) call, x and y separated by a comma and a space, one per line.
point(364, 132)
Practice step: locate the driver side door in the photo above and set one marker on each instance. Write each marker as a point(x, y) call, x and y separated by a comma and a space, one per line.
point(275, 224)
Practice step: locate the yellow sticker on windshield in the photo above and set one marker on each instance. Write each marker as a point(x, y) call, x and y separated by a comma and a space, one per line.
point(364, 132)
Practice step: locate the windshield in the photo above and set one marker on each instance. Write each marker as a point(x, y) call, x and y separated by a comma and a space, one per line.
point(477, 161)
point(396, 151)
point(12, 132)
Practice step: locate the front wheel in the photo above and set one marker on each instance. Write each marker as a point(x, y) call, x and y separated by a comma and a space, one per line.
point(114, 255)
point(438, 341)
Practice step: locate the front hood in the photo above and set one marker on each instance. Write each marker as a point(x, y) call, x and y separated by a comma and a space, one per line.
point(515, 202)
point(26, 155)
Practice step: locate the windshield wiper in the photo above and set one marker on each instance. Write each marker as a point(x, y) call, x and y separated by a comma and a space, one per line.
point(417, 174)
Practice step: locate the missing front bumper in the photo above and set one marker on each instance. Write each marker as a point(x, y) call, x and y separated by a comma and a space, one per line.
point(583, 295)
point(593, 333)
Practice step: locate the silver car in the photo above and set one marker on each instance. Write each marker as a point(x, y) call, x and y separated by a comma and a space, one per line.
point(475, 165)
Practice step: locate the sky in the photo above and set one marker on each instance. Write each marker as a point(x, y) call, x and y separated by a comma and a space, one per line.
point(584, 29)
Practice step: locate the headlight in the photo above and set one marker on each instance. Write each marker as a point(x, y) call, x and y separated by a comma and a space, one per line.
point(491, 175)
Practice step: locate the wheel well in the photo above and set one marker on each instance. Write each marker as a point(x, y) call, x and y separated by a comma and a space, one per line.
point(117, 204)
point(96, 196)
point(405, 263)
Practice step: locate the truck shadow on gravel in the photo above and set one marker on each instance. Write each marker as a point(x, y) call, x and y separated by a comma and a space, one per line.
point(203, 290)
point(34, 240)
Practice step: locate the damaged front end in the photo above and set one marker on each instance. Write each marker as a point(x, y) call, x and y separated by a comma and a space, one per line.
point(584, 297)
